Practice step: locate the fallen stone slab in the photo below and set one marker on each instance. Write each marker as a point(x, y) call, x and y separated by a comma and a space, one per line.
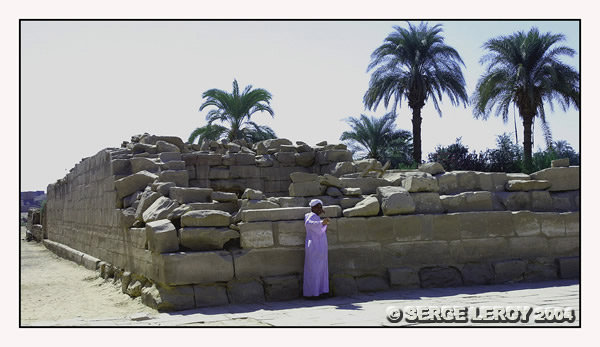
point(564, 162)
point(432, 168)
point(132, 183)
point(168, 298)
point(330, 181)
point(224, 196)
point(395, 201)
point(205, 218)
point(415, 184)
point(162, 236)
point(367, 185)
point(253, 194)
point(160, 209)
point(287, 213)
point(367, 207)
point(187, 195)
point(164, 146)
point(298, 177)
point(180, 177)
point(207, 238)
point(351, 191)
point(140, 164)
point(146, 200)
point(561, 178)
point(312, 188)
point(427, 203)
point(527, 185)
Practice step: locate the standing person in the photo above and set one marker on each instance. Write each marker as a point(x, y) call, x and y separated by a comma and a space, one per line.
point(316, 272)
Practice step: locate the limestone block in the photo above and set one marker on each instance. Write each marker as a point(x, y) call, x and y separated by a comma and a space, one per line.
point(218, 173)
point(130, 199)
point(413, 228)
point(333, 191)
point(162, 236)
point(331, 156)
point(141, 164)
point(379, 228)
point(541, 269)
point(246, 292)
point(351, 192)
point(256, 235)
point(210, 295)
point(180, 177)
point(339, 169)
point(499, 223)
point(287, 213)
point(299, 177)
point(286, 158)
point(274, 143)
point(163, 188)
point(281, 288)
point(264, 262)
point(163, 146)
point(291, 201)
point(426, 203)
point(568, 267)
point(356, 259)
point(304, 159)
point(207, 238)
point(166, 298)
point(208, 159)
point(478, 201)
point(572, 226)
point(561, 178)
point(146, 200)
point(514, 201)
point(432, 168)
point(416, 253)
point(194, 267)
point(331, 181)
point(291, 233)
point(343, 285)
point(448, 183)
point(541, 201)
point(446, 227)
point(258, 204)
point(527, 185)
point(509, 271)
point(467, 180)
point(265, 160)
point(526, 223)
point(244, 159)
point(187, 195)
point(347, 202)
point(564, 246)
point(224, 197)
point(479, 250)
point(352, 229)
point(253, 194)
point(121, 167)
point(395, 201)
point(552, 224)
point(477, 274)
point(141, 148)
point(372, 283)
point(127, 217)
point(415, 184)
point(132, 183)
point(229, 207)
point(564, 162)
point(306, 189)
point(206, 218)
point(518, 176)
point(167, 157)
point(529, 247)
point(244, 172)
point(440, 277)
point(160, 209)
point(367, 207)
point(472, 225)
point(367, 185)
point(404, 277)
point(565, 201)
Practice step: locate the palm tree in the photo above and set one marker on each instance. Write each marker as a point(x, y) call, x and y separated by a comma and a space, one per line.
point(524, 69)
point(237, 110)
point(415, 64)
point(378, 138)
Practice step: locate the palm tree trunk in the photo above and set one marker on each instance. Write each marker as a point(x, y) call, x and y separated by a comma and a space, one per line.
point(527, 143)
point(416, 123)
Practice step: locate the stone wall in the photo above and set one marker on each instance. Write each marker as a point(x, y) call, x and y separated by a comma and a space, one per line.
point(190, 226)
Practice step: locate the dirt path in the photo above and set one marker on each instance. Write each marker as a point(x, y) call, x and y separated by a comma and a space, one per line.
point(53, 289)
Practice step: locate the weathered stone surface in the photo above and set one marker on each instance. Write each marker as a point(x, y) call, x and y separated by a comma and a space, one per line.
point(352, 229)
point(527, 185)
point(514, 201)
point(541, 201)
point(218, 173)
point(541, 269)
point(146, 200)
point(256, 235)
point(121, 167)
point(132, 183)
point(427, 203)
point(564, 162)
point(305, 159)
point(207, 238)
point(180, 177)
point(446, 227)
point(187, 195)
point(432, 168)
point(163, 146)
point(395, 201)
point(347, 202)
point(529, 247)
point(206, 159)
point(413, 228)
point(244, 172)
point(258, 204)
point(367, 207)
point(306, 189)
point(141, 164)
point(472, 225)
point(224, 196)
point(404, 277)
point(281, 288)
point(356, 259)
point(246, 292)
point(338, 169)
point(331, 156)
point(526, 223)
point(351, 191)
point(287, 201)
point(167, 157)
point(552, 224)
point(229, 207)
point(572, 226)
point(164, 188)
point(415, 184)
point(343, 285)
point(210, 295)
point(467, 180)
point(291, 233)
point(287, 213)
point(331, 181)
point(565, 201)
point(372, 283)
point(478, 250)
point(244, 159)
point(561, 178)
point(253, 194)
point(379, 228)
point(176, 165)
point(285, 158)
point(166, 298)
point(162, 236)
point(127, 217)
point(265, 160)
point(333, 191)
point(298, 177)
point(182, 267)
point(367, 185)
point(477, 274)
point(568, 267)
point(205, 218)
point(440, 277)
point(563, 246)
point(416, 253)
point(448, 183)
point(130, 199)
point(141, 148)
point(264, 262)
point(509, 271)
point(160, 209)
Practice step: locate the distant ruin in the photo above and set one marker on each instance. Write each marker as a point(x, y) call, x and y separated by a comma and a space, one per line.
point(188, 226)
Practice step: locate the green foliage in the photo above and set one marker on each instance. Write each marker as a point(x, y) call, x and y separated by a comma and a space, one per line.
point(371, 137)
point(506, 157)
point(457, 157)
point(236, 110)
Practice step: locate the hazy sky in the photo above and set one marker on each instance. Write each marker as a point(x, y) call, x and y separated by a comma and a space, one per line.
point(89, 85)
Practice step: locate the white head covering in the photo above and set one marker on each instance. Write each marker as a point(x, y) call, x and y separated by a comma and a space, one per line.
point(315, 202)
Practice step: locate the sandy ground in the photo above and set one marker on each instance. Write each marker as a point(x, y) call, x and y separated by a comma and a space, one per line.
point(53, 288)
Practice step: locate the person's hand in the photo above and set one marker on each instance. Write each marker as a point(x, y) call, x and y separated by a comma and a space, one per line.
point(325, 221)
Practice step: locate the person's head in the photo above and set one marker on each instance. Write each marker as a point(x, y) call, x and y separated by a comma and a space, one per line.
point(316, 206)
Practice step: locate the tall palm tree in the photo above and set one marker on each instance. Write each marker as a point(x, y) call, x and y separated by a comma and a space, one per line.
point(415, 64)
point(378, 138)
point(236, 109)
point(524, 69)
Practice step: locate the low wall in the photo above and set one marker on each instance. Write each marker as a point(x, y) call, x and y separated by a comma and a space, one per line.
point(159, 215)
